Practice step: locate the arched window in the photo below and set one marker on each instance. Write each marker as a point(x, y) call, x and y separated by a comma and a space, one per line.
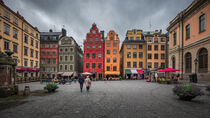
point(188, 62)
point(173, 62)
point(203, 61)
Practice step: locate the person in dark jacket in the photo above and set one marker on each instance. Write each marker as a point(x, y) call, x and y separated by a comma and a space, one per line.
point(81, 82)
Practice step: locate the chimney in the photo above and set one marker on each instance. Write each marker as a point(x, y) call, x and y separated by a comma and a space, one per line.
point(160, 31)
point(156, 31)
point(50, 30)
point(63, 32)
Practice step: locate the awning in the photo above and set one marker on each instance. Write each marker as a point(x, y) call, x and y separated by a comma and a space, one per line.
point(27, 69)
point(140, 71)
point(59, 72)
point(67, 73)
point(133, 71)
point(75, 74)
point(128, 71)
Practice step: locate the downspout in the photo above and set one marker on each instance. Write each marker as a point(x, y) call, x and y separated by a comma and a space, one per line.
point(182, 49)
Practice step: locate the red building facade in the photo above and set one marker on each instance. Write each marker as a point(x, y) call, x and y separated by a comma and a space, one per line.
point(94, 52)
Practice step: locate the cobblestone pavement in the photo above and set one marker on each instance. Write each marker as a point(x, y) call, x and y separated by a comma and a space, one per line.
point(110, 99)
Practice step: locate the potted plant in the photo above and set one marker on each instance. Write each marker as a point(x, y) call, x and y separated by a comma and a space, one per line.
point(51, 87)
point(187, 91)
point(208, 88)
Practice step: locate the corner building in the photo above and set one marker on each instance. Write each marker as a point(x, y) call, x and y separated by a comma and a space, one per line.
point(94, 52)
point(112, 55)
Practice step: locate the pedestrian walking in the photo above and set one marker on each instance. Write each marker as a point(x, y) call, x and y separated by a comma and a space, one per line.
point(156, 77)
point(81, 82)
point(87, 83)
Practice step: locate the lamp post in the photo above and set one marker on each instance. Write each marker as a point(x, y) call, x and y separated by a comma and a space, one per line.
point(196, 62)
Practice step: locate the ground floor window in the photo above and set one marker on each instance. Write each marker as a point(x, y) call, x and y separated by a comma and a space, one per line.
point(203, 60)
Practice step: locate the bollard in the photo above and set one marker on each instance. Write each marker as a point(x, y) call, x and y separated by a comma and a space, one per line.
point(26, 91)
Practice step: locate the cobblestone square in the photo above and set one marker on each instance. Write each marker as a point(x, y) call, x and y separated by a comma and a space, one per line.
point(110, 99)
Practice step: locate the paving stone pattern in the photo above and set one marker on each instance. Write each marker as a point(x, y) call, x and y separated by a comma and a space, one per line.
point(110, 99)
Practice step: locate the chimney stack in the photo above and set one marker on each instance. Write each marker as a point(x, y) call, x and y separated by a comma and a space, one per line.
point(50, 30)
point(63, 32)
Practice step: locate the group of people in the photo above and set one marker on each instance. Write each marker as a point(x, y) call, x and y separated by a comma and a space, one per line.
point(87, 82)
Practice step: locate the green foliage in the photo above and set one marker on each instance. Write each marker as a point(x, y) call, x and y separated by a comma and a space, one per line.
point(187, 91)
point(51, 87)
point(8, 91)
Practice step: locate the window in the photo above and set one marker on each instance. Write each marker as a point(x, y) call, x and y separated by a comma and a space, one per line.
point(48, 69)
point(53, 53)
point(26, 28)
point(93, 46)
point(140, 46)
point(25, 62)
point(99, 65)
point(162, 56)
point(42, 61)
point(66, 49)
point(150, 65)
point(155, 40)
point(107, 60)
point(107, 51)
point(96, 39)
point(134, 46)
point(93, 55)
point(48, 60)
point(53, 69)
point(48, 46)
point(202, 23)
point(128, 64)
point(71, 49)
point(187, 30)
point(173, 62)
point(37, 54)
point(61, 58)
point(91, 39)
point(111, 38)
point(25, 51)
point(149, 47)
point(93, 65)
point(37, 35)
point(128, 54)
point(37, 44)
point(87, 65)
point(188, 62)
point(61, 67)
point(71, 67)
point(15, 48)
point(61, 50)
point(114, 51)
point(134, 55)
point(42, 69)
point(42, 46)
point(149, 56)
point(131, 38)
point(32, 32)
point(53, 46)
point(140, 54)
point(71, 58)
point(15, 33)
point(66, 67)
point(32, 63)
point(48, 53)
point(6, 44)
point(94, 32)
point(156, 56)
point(32, 52)
point(140, 64)
point(108, 44)
point(26, 38)
point(203, 60)
point(162, 47)
point(87, 55)
point(15, 20)
point(149, 39)
point(53, 61)
point(128, 46)
point(114, 68)
point(114, 44)
point(99, 46)
point(134, 64)
point(156, 65)
point(137, 38)
point(66, 58)
point(32, 42)
point(155, 47)
point(99, 55)
point(7, 15)
point(108, 68)
point(162, 39)
point(162, 65)
point(6, 29)
point(114, 60)
point(174, 36)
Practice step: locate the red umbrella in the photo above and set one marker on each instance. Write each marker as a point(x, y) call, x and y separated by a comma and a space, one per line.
point(140, 71)
point(168, 70)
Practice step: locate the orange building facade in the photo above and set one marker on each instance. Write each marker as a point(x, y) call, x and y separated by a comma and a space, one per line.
point(112, 55)
point(189, 40)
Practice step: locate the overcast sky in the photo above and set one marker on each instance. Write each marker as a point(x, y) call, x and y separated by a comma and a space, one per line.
point(77, 16)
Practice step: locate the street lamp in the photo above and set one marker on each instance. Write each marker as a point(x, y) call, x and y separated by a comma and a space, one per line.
point(196, 61)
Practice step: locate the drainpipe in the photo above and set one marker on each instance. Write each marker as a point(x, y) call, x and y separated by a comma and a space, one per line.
point(182, 49)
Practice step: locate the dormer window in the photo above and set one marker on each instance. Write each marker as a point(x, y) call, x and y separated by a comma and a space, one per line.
point(94, 32)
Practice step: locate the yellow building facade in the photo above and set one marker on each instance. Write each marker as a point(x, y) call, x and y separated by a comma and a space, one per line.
point(112, 55)
point(133, 54)
point(20, 37)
